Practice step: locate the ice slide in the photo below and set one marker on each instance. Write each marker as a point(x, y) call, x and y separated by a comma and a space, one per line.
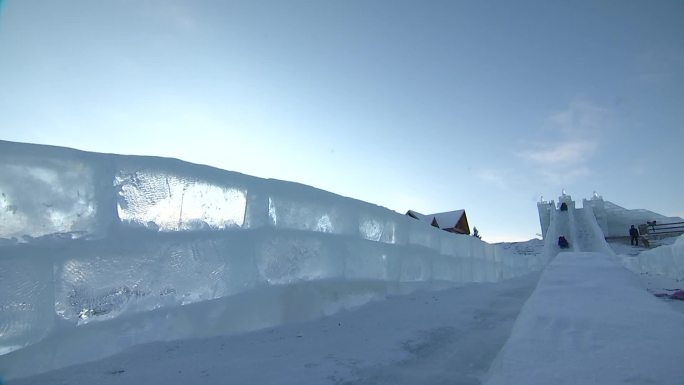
point(590, 321)
point(100, 252)
point(579, 227)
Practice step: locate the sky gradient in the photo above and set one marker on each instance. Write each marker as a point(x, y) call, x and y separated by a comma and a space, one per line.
point(430, 105)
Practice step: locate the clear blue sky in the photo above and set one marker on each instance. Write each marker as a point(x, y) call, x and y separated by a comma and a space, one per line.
point(424, 105)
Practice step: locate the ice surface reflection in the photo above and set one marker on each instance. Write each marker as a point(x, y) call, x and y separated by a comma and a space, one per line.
point(170, 203)
point(39, 198)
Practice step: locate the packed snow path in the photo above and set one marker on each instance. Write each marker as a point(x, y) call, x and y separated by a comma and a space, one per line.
point(590, 321)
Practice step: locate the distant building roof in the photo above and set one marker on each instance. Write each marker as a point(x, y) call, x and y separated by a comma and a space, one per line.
point(454, 221)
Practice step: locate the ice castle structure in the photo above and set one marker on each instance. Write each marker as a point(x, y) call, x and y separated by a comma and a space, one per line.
point(577, 225)
point(613, 220)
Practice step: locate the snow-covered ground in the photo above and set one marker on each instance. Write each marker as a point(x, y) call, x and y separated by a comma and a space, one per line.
point(622, 246)
point(659, 268)
point(448, 336)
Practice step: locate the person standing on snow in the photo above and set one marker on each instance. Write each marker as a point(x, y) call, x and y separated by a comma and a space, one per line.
point(634, 236)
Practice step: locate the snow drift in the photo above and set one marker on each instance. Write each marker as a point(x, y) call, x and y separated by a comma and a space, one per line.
point(665, 260)
point(108, 251)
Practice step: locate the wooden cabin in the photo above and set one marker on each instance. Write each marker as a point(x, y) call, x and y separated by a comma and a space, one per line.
point(451, 221)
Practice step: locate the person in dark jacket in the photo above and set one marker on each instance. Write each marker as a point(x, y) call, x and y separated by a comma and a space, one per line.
point(563, 243)
point(634, 236)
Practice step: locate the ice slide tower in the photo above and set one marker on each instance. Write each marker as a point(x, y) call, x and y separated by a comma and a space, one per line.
point(546, 207)
point(611, 219)
point(578, 225)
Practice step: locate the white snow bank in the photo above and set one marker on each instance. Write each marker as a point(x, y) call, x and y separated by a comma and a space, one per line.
point(103, 239)
point(667, 260)
point(590, 321)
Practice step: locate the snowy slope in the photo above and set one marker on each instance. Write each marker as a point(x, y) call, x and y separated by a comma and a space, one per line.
point(620, 218)
point(615, 220)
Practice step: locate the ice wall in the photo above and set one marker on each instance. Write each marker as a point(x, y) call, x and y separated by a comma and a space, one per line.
point(51, 191)
point(90, 241)
point(544, 208)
